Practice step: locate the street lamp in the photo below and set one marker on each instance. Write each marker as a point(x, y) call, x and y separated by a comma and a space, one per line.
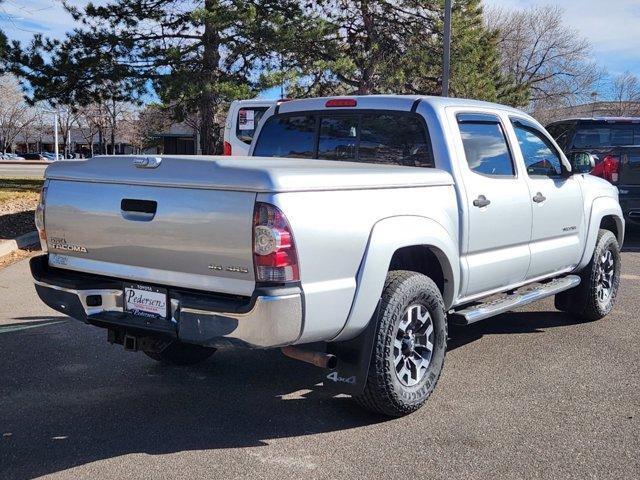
point(55, 131)
point(446, 58)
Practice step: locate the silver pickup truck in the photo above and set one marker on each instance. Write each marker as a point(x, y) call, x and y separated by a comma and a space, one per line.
point(353, 233)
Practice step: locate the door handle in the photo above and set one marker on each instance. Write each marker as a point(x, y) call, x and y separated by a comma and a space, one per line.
point(539, 198)
point(138, 210)
point(481, 201)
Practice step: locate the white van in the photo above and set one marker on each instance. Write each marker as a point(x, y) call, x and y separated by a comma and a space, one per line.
point(242, 120)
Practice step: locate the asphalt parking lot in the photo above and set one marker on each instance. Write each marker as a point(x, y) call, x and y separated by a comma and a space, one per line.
point(529, 394)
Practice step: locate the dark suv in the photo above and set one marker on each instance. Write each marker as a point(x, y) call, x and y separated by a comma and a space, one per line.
point(615, 142)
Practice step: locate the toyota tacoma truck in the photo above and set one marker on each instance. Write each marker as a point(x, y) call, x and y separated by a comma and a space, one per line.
point(355, 231)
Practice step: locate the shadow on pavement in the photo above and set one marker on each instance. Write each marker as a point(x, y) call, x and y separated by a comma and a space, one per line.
point(508, 323)
point(13, 225)
point(631, 240)
point(69, 399)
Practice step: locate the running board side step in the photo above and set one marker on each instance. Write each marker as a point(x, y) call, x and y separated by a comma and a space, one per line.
point(481, 311)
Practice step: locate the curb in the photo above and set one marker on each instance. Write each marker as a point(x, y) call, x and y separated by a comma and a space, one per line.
point(10, 246)
point(25, 162)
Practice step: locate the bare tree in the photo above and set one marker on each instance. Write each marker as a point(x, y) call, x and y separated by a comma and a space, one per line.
point(67, 119)
point(542, 54)
point(141, 127)
point(15, 114)
point(625, 95)
point(90, 122)
point(115, 113)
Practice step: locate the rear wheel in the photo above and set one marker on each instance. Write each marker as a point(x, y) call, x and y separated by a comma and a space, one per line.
point(410, 345)
point(595, 296)
point(179, 353)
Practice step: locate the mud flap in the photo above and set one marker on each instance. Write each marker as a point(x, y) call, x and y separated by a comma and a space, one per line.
point(354, 358)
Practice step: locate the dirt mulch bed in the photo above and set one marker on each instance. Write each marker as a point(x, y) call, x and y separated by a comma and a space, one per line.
point(18, 255)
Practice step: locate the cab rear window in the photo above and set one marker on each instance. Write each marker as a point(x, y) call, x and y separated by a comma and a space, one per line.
point(394, 138)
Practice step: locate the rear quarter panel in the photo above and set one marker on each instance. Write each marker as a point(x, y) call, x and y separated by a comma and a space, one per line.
point(332, 230)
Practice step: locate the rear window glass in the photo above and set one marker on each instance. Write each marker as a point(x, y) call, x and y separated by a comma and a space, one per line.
point(293, 136)
point(247, 122)
point(338, 138)
point(398, 139)
point(387, 138)
point(606, 136)
point(486, 148)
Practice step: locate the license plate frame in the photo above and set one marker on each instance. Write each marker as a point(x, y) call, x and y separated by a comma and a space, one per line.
point(143, 301)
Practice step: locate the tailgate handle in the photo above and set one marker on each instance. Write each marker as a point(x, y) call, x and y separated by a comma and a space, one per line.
point(141, 210)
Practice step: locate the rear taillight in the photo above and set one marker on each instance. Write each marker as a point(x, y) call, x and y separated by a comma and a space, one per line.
point(39, 220)
point(274, 251)
point(608, 168)
point(226, 149)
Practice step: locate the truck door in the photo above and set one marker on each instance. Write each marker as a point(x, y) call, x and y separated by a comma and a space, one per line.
point(556, 199)
point(498, 206)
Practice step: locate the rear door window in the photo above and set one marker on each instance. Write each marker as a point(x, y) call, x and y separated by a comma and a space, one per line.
point(485, 145)
point(291, 136)
point(395, 138)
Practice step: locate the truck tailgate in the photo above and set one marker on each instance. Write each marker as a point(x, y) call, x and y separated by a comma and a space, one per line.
point(188, 237)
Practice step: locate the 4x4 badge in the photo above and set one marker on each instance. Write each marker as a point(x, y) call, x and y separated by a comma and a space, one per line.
point(336, 378)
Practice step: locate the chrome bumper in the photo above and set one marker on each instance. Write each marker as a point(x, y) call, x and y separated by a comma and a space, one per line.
point(271, 321)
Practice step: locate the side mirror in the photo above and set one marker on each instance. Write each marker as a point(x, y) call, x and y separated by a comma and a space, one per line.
point(582, 162)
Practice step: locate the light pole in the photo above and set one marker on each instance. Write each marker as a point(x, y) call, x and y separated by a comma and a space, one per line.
point(55, 134)
point(55, 130)
point(446, 60)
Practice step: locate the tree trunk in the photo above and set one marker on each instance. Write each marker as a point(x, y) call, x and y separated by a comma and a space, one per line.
point(209, 77)
point(368, 68)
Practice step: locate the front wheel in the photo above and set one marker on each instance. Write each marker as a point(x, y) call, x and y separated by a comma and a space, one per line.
point(409, 348)
point(595, 296)
point(179, 353)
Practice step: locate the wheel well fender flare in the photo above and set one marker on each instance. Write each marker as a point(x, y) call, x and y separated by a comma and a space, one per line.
point(602, 207)
point(387, 236)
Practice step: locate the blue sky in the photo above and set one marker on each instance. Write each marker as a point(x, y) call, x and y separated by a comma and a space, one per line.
point(612, 26)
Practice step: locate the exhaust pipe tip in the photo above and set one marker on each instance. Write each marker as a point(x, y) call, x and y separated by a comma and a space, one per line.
point(322, 360)
point(332, 362)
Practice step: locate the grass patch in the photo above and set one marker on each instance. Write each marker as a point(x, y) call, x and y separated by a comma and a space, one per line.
point(19, 189)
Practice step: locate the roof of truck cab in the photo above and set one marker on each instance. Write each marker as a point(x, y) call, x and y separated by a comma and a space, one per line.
point(390, 102)
point(598, 119)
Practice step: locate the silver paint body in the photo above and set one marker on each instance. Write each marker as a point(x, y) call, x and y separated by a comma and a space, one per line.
point(347, 219)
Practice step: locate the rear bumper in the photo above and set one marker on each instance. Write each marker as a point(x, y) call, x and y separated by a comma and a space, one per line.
point(270, 318)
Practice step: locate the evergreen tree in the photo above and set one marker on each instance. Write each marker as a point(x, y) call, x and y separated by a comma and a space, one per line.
point(475, 60)
point(196, 56)
point(396, 46)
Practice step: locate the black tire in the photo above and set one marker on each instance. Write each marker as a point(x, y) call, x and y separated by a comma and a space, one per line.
point(384, 391)
point(586, 301)
point(179, 353)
